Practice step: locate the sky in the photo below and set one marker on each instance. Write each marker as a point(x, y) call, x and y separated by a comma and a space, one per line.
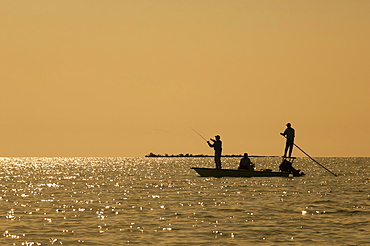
point(126, 78)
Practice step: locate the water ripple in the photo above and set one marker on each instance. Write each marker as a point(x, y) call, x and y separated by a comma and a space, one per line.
point(108, 201)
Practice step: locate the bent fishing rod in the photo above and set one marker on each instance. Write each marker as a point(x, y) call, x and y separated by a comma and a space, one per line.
point(312, 158)
point(199, 134)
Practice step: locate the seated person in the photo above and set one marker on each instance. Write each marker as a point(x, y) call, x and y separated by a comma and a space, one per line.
point(246, 164)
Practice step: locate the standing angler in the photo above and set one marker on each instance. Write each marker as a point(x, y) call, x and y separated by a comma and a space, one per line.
point(289, 133)
point(217, 146)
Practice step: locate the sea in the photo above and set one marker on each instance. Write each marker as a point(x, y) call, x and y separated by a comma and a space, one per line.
point(161, 201)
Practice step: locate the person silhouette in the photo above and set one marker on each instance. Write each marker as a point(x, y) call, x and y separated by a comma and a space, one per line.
point(245, 163)
point(217, 146)
point(289, 133)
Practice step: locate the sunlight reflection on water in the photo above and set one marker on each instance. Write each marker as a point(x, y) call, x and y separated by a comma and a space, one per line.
point(108, 201)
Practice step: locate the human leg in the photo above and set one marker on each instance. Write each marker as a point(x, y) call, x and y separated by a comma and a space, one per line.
point(218, 160)
point(286, 148)
point(290, 148)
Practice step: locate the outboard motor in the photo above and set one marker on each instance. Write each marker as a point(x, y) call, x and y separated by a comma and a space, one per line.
point(287, 166)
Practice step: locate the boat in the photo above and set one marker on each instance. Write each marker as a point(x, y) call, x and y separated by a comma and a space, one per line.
point(214, 172)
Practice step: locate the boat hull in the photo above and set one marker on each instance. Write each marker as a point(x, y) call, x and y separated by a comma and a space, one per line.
point(213, 172)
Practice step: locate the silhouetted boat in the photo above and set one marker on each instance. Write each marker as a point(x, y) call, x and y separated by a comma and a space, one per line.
point(213, 172)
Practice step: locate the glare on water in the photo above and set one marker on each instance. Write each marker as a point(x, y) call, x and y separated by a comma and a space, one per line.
point(110, 201)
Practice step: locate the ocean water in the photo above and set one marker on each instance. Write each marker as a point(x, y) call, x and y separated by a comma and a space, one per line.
point(161, 201)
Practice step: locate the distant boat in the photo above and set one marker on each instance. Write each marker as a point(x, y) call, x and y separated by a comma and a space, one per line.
point(213, 172)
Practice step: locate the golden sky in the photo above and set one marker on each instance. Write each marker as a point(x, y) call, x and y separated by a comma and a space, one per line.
point(125, 78)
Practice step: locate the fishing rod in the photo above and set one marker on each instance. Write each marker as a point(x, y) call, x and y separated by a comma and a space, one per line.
point(312, 158)
point(198, 134)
